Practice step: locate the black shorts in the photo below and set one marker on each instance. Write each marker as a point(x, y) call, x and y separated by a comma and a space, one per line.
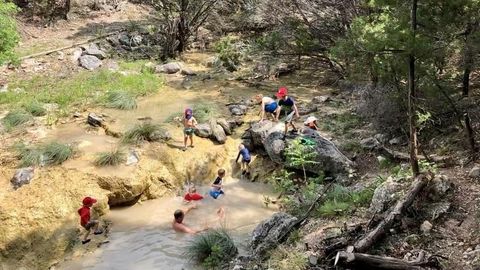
point(90, 224)
point(246, 161)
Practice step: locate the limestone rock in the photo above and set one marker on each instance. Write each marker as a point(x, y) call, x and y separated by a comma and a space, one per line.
point(426, 227)
point(188, 72)
point(439, 187)
point(95, 120)
point(475, 172)
point(384, 195)
point(95, 51)
point(307, 109)
point(122, 191)
point(238, 109)
point(321, 99)
point(369, 143)
point(133, 158)
point(217, 132)
point(203, 131)
point(160, 135)
point(124, 39)
point(259, 131)
point(284, 69)
point(22, 177)
point(267, 234)
point(169, 68)
point(76, 54)
point(227, 127)
point(89, 62)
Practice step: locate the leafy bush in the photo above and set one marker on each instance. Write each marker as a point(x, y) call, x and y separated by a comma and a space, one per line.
point(48, 154)
point(203, 112)
point(112, 158)
point(212, 249)
point(121, 100)
point(8, 31)
point(143, 132)
point(341, 201)
point(299, 154)
point(16, 118)
point(35, 108)
point(228, 53)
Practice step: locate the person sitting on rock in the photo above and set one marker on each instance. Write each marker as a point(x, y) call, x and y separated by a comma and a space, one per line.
point(286, 105)
point(311, 123)
point(85, 220)
point(246, 158)
point(179, 216)
point(217, 186)
point(268, 105)
point(192, 195)
point(189, 124)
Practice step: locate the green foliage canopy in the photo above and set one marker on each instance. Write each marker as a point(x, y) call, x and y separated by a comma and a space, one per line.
point(8, 31)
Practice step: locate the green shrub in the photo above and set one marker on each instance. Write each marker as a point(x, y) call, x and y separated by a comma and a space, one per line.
point(341, 201)
point(121, 100)
point(35, 108)
point(143, 132)
point(16, 118)
point(47, 154)
point(212, 249)
point(228, 53)
point(8, 31)
point(112, 158)
point(204, 112)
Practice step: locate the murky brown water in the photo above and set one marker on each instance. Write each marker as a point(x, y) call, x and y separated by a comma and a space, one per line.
point(142, 237)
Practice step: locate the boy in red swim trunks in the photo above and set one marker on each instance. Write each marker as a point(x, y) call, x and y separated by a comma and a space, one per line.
point(85, 220)
point(192, 195)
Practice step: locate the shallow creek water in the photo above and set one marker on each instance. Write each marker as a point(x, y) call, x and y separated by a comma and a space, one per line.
point(142, 237)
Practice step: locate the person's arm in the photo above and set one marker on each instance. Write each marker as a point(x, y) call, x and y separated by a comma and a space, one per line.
point(194, 122)
point(236, 160)
point(262, 111)
point(277, 114)
point(190, 208)
point(295, 109)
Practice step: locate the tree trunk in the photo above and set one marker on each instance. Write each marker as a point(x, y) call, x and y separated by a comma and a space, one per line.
point(466, 78)
point(412, 95)
point(183, 27)
point(366, 261)
point(470, 134)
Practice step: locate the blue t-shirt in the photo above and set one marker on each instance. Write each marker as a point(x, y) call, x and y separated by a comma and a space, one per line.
point(245, 154)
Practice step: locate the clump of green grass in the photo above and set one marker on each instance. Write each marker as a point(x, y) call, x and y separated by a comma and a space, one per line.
point(47, 154)
point(121, 100)
point(16, 118)
point(143, 132)
point(341, 124)
point(287, 259)
point(82, 88)
point(212, 249)
point(341, 201)
point(203, 112)
point(112, 158)
point(35, 108)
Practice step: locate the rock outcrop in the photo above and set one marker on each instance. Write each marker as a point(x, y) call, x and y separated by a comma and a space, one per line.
point(89, 62)
point(22, 177)
point(169, 68)
point(267, 234)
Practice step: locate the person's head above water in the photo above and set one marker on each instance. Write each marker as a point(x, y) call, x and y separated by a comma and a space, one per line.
point(221, 172)
point(179, 215)
point(192, 189)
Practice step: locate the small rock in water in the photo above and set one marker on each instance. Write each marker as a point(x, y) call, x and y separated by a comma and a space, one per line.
point(94, 120)
point(22, 177)
point(426, 227)
point(133, 158)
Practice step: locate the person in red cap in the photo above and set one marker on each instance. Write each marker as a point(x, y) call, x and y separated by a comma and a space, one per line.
point(85, 220)
point(288, 106)
point(189, 124)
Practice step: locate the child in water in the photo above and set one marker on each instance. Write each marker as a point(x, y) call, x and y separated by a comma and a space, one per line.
point(189, 125)
point(246, 158)
point(217, 186)
point(192, 195)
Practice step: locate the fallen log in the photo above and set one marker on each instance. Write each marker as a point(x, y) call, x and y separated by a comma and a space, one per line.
point(384, 226)
point(367, 261)
point(397, 155)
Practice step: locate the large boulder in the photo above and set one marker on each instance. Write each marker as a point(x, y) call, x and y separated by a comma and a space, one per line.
point(259, 131)
point(169, 68)
point(274, 143)
point(217, 132)
point(89, 62)
point(238, 109)
point(95, 51)
point(123, 191)
point(267, 234)
point(22, 177)
point(203, 131)
point(225, 125)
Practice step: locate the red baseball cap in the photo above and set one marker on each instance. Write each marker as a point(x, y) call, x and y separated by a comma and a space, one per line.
point(282, 91)
point(89, 200)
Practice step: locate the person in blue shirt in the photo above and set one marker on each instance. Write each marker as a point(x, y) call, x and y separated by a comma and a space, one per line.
point(246, 158)
point(287, 105)
point(217, 186)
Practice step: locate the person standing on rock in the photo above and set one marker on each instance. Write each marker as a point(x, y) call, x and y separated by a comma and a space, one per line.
point(286, 105)
point(189, 126)
point(268, 105)
point(85, 221)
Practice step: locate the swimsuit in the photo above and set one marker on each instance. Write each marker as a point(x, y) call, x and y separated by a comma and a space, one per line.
point(287, 108)
point(216, 192)
point(270, 108)
point(188, 131)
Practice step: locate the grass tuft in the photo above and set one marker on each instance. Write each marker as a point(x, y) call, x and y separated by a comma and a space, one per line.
point(48, 154)
point(203, 112)
point(113, 158)
point(121, 100)
point(287, 259)
point(35, 108)
point(212, 249)
point(16, 118)
point(143, 132)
